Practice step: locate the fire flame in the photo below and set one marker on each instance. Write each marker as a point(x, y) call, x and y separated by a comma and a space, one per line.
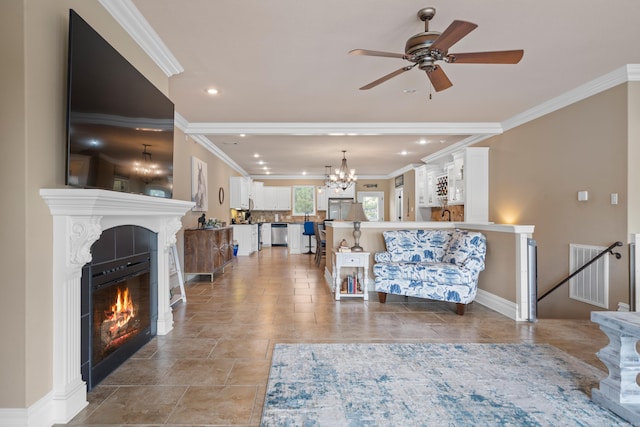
point(121, 312)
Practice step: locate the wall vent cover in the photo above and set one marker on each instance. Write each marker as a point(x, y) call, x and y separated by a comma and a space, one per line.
point(592, 284)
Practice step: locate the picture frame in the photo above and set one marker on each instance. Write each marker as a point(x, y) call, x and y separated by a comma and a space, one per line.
point(399, 181)
point(199, 190)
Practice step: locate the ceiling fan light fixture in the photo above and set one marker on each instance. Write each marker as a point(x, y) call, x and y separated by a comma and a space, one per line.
point(425, 48)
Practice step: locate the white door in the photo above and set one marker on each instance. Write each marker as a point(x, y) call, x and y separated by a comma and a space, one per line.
point(373, 204)
point(399, 203)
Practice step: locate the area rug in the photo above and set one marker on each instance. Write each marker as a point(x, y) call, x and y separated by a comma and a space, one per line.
point(431, 385)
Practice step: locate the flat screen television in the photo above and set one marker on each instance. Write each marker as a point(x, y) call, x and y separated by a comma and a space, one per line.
point(119, 125)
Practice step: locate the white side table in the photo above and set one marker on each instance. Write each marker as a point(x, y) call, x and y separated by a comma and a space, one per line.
point(360, 260)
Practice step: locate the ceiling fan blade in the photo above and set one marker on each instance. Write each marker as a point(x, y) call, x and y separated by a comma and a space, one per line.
point(498, 57)
point(378, 53)
point(454, 32)
point(387, 77)
point(438, 78)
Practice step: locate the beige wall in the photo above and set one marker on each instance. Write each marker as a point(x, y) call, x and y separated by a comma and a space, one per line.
point(536, 171)
point(12, 211)
point(633, 160)
point(34, 51)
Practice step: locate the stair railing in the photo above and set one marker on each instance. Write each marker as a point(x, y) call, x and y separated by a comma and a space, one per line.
point(594, 259)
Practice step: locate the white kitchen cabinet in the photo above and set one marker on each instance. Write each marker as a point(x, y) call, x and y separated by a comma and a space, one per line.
point(239, 192)
point(455, 179)
point(463, 180)
point(277, 198)
point(476, 184)
point(294, 238)
point(321, 198)
point(258, 195)
point(265, 234)
point(422, 196)
point(247, 237)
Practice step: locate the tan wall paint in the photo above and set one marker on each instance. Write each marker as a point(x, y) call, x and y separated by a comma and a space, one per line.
point(633, 160)
point(37, 43)
point(12, 211)
point(500, 262)
point(536, 171)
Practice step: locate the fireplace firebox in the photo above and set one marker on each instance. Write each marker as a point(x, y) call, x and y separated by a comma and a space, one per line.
point(119, 303)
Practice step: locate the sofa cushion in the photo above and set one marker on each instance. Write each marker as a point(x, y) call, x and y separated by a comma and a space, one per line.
point(434, 273)
point(466, 249)
point(417, 245)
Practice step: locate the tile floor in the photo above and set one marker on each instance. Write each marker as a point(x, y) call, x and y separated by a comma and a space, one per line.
point(212, 368)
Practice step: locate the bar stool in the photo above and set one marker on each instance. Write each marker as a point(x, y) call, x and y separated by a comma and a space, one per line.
point(309, 231)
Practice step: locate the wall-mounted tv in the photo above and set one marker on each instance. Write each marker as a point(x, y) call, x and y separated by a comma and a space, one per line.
point(119, 125)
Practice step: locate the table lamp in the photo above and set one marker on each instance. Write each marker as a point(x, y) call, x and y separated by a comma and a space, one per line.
point(356, 214)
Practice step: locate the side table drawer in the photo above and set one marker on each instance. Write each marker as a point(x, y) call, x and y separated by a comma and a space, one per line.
point(348, 260)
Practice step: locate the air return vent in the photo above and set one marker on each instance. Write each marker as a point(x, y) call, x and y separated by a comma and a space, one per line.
point(592, 284)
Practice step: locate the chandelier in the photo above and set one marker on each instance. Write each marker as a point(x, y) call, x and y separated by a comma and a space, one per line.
point(343, 177)
point(145, 168)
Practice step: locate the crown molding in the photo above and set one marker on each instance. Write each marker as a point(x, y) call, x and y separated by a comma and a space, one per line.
point(621, 75)
point(130, 18)
point(361, 129)
point(206, 143)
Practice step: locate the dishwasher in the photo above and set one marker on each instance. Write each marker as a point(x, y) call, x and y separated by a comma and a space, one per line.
point(278, 234)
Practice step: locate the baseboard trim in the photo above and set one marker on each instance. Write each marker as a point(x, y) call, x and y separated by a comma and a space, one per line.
point(496, 303)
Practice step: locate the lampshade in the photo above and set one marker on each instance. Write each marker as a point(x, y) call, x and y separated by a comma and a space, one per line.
point(356, 213)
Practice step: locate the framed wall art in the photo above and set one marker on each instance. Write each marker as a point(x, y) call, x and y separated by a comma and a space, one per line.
point(199, 193)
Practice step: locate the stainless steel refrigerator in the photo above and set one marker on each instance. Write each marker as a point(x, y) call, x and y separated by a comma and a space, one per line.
point(338, 208)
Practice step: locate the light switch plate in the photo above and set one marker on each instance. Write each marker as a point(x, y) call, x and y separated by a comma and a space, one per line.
point(583, 196)
point(614, 198)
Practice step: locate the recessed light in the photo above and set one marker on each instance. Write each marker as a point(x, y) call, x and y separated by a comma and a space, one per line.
point(261, 162)
point(242, 135)
point(212, 91)
point(404, 152)
point(409, 90)
point(256, 155)
point(422, 141)
point(336, 134)
point(304, 172)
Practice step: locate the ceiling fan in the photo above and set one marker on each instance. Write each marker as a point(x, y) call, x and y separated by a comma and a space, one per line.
point(424, 49)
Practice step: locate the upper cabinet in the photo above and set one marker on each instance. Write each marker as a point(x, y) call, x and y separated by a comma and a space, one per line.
point(463, 179)
point(239, 189)
point(258, 195)
point(277, 198)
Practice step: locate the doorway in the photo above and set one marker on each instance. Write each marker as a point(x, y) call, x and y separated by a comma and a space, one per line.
point(373, 204)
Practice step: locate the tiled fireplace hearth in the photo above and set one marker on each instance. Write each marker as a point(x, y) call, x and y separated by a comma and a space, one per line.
point(79, 218)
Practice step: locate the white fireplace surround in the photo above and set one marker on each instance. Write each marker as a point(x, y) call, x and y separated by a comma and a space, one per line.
point(79, 217)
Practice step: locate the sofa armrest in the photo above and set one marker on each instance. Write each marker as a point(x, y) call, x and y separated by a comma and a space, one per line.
point(382, 257)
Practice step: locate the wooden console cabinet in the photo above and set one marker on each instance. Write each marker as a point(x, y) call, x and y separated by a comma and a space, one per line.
point(206, 251)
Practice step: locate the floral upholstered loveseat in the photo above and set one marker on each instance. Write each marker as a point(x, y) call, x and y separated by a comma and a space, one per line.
point(436, 264)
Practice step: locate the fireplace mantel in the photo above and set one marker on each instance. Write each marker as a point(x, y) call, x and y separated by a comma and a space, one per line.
point(79, 217)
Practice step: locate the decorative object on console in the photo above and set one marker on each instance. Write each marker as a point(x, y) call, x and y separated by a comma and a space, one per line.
point(201, 221)
point(343, 177)
point(357, 215)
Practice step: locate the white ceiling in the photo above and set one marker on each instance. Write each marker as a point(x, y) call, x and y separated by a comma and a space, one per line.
point(286, 80)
